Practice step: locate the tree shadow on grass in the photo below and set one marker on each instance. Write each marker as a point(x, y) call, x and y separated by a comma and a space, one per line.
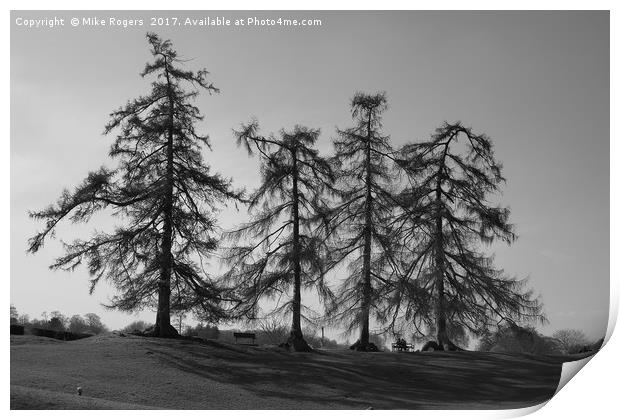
point(381, 380)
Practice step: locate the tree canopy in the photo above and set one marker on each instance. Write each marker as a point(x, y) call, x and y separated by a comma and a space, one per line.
point(357, 221)
point(162, 191)
point(282, 251)
point(446, 215)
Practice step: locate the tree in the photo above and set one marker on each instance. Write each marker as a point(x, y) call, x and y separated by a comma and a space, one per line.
point(164, 193)
point(14, 314)
point(94, 324)
point(571, 340)
point(23, 319)
point(58, 321)
point(57, 324)
point(447, 214)
point(286, 252)
point(180, 318)
point(77, 324)
point(357, 222)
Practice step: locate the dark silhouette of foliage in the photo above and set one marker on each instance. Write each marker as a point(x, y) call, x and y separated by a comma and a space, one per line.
point(89, 324)
point(162, 191)
point(137, 326)
point(283, 252)
point(56, 324)
point(445, 216)
point(511, 338)
point(58, 321)
point(203, 331)
point(358, 221)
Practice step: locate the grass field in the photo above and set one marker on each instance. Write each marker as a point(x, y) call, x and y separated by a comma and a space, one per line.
point(140, 373)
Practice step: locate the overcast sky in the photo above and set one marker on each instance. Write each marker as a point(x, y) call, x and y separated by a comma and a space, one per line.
point(536, 82)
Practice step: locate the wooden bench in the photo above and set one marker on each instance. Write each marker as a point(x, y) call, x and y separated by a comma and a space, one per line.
point(406, 347)
point(245, 336)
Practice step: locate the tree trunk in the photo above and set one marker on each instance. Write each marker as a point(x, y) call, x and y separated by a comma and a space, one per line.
point(366, 287)
point(163, 327)
point(440, 310)
point(296, 339)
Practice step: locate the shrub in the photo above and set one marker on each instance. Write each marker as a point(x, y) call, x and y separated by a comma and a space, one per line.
point(58, 335)
point(203, 331)
point(17, 329)
point(137, 326)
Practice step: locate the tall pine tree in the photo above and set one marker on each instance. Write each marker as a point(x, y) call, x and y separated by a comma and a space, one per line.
point(357, 223)
point(448, 281)
point(162, 191)
point(283, 252)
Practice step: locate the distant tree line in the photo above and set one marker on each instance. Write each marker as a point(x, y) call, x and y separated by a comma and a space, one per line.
point(89, 323)
point(406, 225)
point(515, 339)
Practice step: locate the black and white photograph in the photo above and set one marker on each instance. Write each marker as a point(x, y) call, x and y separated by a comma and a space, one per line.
point(307, 209)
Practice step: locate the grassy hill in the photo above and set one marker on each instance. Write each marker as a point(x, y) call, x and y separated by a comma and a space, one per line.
point(133, 372)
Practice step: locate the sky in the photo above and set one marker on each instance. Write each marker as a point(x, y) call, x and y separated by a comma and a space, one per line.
point(537, 83)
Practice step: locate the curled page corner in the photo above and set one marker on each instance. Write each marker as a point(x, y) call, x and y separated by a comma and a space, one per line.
point(519, 412)
point(570, 369)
